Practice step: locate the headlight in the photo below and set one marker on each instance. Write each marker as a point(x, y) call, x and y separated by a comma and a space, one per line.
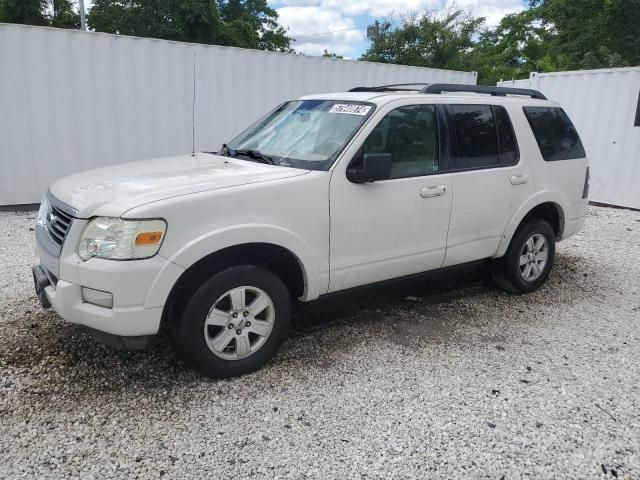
point(43, 212)
point(118, 239)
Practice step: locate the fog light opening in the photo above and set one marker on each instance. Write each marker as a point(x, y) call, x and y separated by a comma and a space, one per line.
point(97, 297)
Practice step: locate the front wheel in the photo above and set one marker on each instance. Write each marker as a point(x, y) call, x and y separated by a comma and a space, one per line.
point(529, 258)
point(235, 322)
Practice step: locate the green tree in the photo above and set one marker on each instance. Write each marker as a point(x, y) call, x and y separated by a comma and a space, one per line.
point(430, 40)
point(592, 33)
point(517, 46)
point(623, 27)
point(183, 20)
point(253, 24)
point(28, 12)
point(63, 15)
point(331, 54)
point(550, 35)
point(248, 23)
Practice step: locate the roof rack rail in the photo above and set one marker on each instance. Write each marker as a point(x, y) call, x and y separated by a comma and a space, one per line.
point(452, 87)
point(495, 91)
point(398, 87)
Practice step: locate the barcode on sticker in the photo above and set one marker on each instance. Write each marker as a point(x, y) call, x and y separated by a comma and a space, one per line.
point(350, 108)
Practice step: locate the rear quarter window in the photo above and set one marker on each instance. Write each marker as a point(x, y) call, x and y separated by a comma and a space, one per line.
point(509, 154)
point(555, 134)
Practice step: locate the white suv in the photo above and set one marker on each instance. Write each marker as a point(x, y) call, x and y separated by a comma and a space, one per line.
point(325, 193)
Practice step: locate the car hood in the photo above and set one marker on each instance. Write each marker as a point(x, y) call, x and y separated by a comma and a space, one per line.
point(113, 190)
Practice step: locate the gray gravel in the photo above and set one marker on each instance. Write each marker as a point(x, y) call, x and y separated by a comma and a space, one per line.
point(445, 380)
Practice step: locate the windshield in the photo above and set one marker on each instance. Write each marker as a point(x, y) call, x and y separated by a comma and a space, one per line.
point(307, 134)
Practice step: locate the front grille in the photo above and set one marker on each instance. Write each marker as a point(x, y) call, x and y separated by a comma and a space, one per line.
point(54, 221)
point(58, 224)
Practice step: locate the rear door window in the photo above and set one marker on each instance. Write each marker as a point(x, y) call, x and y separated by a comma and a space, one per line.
point(475, 136)
point(555, 134)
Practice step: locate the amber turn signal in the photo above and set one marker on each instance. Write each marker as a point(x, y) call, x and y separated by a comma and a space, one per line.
point(148, 238)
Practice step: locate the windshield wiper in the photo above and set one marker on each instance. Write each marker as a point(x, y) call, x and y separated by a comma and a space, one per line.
point(256, 155)
point(247, 152)
point(225, 151)
point(253, 155)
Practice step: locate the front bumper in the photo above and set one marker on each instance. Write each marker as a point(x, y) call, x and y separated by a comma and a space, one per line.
point(66, 299)
point(140, 289)
point(41, 281)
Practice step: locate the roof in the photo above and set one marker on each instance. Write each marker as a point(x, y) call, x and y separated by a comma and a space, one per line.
point(384, 93)
point(380, 98)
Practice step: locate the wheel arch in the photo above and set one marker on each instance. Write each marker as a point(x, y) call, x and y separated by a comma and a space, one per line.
point(548, 209)
point(276, 258)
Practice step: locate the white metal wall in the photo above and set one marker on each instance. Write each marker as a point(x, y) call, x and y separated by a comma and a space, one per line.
point(602, 104)
point(72, 100)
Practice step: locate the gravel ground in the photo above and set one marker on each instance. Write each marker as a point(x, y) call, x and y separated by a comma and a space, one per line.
point(446, 380)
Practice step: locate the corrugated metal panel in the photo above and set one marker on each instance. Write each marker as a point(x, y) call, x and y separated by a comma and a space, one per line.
point(73, 100)
point(603, 105)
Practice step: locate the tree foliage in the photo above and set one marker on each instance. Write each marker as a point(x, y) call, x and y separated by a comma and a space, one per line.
point(429, 40)
point(592, 33)
point(184, 20)
point(517, 46)
point(253, 24)
point(48, 13)
point(63, 15)
point(29, 12)
point(328, 54)
point(239, 23)
point(550, 35)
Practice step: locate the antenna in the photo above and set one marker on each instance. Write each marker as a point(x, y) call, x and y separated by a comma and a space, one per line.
point(193, 110)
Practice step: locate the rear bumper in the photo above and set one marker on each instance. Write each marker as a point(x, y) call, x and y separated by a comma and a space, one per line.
point(576, 222)
point(573, 227)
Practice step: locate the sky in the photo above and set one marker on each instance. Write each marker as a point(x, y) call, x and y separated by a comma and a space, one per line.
point(309, 21)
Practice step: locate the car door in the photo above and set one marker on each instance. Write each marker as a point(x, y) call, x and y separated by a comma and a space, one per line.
point(490, 181)
point(395, 227)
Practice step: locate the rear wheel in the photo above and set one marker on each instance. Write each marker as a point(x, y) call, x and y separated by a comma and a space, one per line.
point(235, 322)
point(529, 258)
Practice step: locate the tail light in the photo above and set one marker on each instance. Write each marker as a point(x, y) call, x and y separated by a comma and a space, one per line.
point(585, 190)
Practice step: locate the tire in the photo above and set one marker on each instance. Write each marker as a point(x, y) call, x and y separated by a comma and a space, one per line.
point(202, 332)
point(508, 272)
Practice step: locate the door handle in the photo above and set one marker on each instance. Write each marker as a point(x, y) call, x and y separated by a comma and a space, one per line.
point(433, 191)
point(519, 179)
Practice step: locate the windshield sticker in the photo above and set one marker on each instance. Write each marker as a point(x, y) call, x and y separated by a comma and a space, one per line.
point(350, 108)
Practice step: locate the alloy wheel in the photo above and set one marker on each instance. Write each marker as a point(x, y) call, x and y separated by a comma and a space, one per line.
point(239, 323)
point(533, 257)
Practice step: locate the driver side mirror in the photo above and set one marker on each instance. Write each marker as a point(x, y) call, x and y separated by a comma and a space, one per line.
point(375, 166)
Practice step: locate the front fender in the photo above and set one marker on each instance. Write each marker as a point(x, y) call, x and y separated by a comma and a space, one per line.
point(217, 240)
point(545, 196)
